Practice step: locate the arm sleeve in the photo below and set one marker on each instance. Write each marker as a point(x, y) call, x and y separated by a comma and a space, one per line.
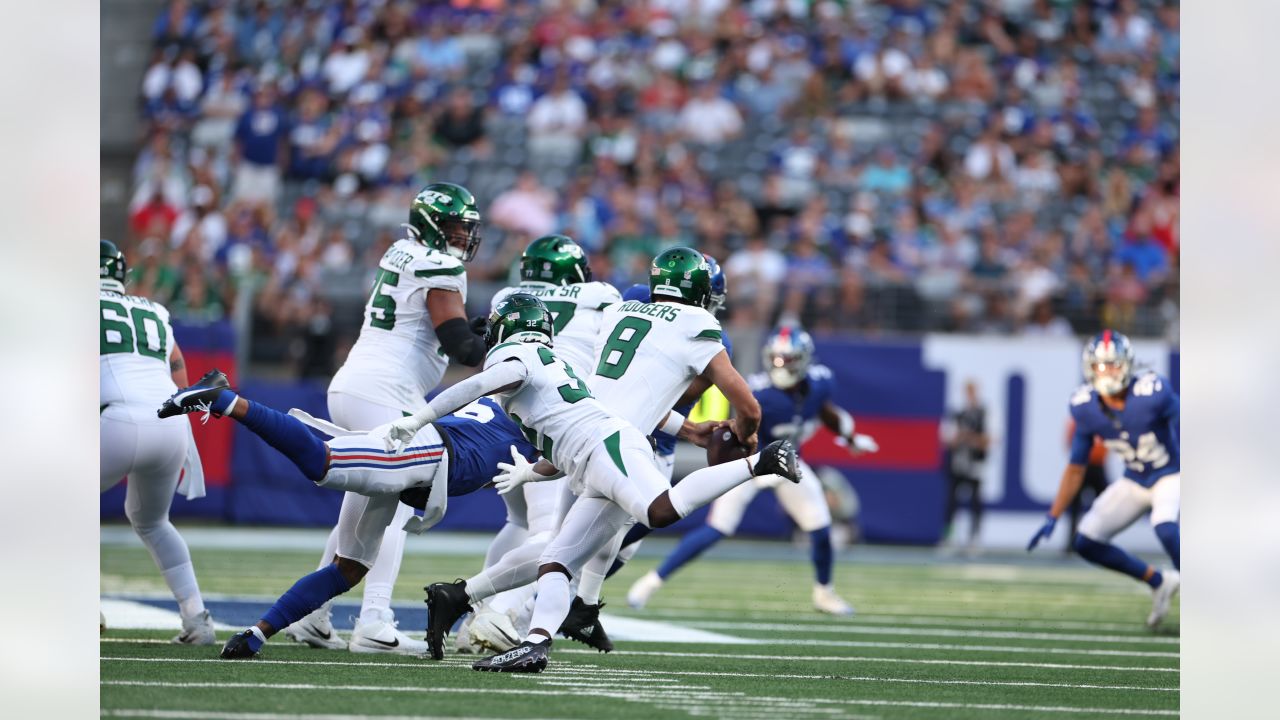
point(460, 343)
point(1081, 444)
point(465, 392)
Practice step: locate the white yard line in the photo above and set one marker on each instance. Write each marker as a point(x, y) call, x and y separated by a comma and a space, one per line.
point(857, 658)
point(883, 617)
point(853, 628)
point(603, 675)
point(642, 697)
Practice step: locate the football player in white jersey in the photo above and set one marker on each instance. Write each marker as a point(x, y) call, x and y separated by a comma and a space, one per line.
point(140, 365)
point(610, 465)
point(415, 322)
point(554, 269)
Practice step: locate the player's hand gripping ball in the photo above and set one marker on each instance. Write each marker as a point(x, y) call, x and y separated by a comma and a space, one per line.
point(725, 447)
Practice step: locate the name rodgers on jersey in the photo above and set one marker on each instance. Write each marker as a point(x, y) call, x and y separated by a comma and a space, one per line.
point(659, 310)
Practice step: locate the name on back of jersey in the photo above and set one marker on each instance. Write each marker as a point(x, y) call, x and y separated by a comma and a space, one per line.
point(664, 311)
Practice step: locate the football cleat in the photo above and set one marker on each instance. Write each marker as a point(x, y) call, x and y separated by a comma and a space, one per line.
point(490, 632)
point(527, 657)
point(198, 397)
point(826, 600)
point(462, 639)
point(238, 647)
point(196, 630)
point(583, 624)
point(446, 602)
point(643, 589)
point(317, 630)
point(778, 458)
point(1162, 597)
point(382, 636)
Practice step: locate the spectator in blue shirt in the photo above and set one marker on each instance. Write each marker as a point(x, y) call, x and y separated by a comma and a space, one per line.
point(259, 134)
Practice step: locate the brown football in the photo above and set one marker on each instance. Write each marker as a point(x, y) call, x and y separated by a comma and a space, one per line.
point(725, 447)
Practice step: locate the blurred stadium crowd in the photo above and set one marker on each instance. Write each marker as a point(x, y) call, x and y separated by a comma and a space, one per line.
point(993, 166)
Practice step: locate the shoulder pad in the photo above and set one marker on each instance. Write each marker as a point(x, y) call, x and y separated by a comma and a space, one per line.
point(1148, 384)
point(1082, 395)
point(434, 263)
point(820, 372)
point(758, 382)
point(602, 294)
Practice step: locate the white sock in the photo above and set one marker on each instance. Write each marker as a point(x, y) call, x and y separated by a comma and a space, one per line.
point(517, 568)
point(378, 584)
point(701, 487)
point(552, 607)
point(182, 582)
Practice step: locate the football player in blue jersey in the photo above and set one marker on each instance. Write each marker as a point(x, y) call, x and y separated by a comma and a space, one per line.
point(1136, 417)
point(795, 396)
point(458, 454)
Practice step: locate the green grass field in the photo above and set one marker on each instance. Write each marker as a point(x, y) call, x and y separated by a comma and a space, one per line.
point(933, 639)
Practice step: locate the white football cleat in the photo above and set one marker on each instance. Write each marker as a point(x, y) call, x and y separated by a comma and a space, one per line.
point(643, 589)
point(317, 630)
point(1162, 597)
point(492, 632)
point(826, 600)
point(462, 638)
point(196, 630)
point(382, 636)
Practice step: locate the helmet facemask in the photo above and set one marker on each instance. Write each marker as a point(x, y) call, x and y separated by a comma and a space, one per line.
point(1108, 363)
point(787, 367)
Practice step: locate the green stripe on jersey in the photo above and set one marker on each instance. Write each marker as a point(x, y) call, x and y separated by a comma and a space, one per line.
point(458, 270)
point(709, 335)
point(612, 444)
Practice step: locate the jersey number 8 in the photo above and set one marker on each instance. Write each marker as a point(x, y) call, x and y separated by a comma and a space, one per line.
point(620, 349)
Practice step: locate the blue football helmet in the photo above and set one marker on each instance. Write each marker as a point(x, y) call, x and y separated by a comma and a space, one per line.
point(788, 353)
point(718, 288)
point(1108, 362)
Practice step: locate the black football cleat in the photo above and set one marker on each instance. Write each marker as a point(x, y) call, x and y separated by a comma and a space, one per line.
point(778, 458)
point(527, 657)
point(237, 648)
point(196, 397)
point(446, 602)
point(583, 624)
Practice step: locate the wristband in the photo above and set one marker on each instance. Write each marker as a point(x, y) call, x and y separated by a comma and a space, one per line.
point(673, 423)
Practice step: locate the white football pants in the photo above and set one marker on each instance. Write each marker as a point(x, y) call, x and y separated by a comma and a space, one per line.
point(150, 451)
point(1124, 501)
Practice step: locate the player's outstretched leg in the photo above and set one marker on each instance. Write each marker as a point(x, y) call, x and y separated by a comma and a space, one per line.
point(284, 433)
point(702, 486)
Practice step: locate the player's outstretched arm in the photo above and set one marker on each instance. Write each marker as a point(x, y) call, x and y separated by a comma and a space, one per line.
point(501, 377)
point(456, 333)
point(839, 421)
point(746, 420)
point(1072, 479)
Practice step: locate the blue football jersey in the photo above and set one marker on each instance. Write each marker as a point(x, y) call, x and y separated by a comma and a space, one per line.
point(1144, 434)
point(482, 436)
point(791, 414)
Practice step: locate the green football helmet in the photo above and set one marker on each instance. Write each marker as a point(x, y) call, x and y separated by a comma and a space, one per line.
point(111, 264)
point(444, 216)
point(682, 274)
point(555, 259)
point(520, 317)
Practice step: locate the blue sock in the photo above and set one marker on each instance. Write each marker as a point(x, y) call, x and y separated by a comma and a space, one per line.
point(290, 436)
point(691, 546)
point(221, 405)
point(1170, 536)
point(1110, 556)
point(310, 592)
point(822, 554)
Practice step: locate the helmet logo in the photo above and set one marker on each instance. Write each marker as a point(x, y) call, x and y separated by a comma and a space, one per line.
point(435, 197)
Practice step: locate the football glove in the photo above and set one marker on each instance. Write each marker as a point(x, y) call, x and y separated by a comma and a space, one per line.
point(516, 473)
point(1043, 533)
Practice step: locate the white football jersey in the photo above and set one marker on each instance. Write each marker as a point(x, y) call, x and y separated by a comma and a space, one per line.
point(648, 354)
point(576, 316)
point(135, 342)
point(553, 406)
point(397, 359)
